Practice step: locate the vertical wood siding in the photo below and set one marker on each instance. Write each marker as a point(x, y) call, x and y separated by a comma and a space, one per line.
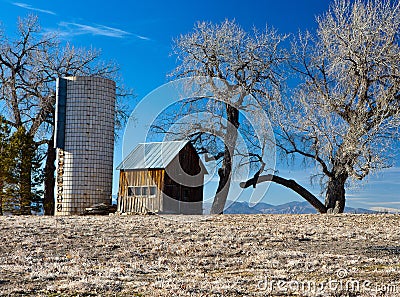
point(139, 178)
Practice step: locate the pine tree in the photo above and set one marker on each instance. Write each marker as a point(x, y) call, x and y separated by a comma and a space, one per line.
point(6, 163)
point(26, 174)
point(20, 172)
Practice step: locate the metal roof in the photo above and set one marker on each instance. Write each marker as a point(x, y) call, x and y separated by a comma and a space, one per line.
point(152, 155)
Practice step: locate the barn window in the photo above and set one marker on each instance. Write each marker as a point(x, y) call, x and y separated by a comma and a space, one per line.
point(142, 191)
point(138, 191)
point(153, 191)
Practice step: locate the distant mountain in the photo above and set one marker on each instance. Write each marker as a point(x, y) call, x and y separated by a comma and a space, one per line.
point(294, 207)
point(264, 208)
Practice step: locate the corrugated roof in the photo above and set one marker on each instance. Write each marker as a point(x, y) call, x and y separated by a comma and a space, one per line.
point(152, 155)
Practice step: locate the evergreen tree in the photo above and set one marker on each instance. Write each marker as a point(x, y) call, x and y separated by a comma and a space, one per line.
point(6, 163)
point(26, 174)
point(20, 172)
point(3, 169)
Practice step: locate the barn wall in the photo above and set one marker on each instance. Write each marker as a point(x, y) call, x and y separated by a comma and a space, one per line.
point(179, 198)
point(140, 204)
point(183, 183)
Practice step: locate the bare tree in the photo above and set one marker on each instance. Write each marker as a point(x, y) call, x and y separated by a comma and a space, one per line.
point(345, 114)
point(238, 69)
point(29, 66)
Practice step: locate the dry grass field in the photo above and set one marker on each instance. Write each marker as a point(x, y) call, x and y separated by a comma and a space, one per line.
point(230, 255)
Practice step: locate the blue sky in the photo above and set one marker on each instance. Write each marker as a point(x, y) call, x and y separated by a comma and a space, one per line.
point(138, 35)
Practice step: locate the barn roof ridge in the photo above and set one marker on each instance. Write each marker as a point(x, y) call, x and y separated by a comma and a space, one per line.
point(183, 140)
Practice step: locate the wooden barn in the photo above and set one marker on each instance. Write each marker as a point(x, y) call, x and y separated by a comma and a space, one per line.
point(162, 177)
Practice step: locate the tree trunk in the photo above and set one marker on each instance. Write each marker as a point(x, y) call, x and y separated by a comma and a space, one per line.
point(223, 187)
point(25, 182)
point(225, 172)
point(49, 179)
point(335, 198)
point(1, 196)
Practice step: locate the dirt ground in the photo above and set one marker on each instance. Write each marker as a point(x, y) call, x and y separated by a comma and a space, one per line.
point(229, 255)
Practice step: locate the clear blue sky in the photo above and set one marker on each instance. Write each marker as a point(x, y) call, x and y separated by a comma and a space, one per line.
point(138, 35)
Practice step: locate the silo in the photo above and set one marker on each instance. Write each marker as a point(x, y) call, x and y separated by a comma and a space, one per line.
point(84, 139)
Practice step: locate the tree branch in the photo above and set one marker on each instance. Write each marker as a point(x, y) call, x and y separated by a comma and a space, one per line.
point(288, 183)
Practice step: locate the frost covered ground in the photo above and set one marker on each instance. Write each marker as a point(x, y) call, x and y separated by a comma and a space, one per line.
point(230, 255)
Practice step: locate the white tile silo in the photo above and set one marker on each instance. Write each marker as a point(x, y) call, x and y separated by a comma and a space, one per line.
point(85, 143)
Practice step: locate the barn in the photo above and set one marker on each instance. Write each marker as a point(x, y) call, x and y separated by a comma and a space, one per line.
point(162, 177)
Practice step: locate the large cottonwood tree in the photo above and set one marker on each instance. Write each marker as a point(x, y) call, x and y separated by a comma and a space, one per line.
point(238, 69)
point(345, 114)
